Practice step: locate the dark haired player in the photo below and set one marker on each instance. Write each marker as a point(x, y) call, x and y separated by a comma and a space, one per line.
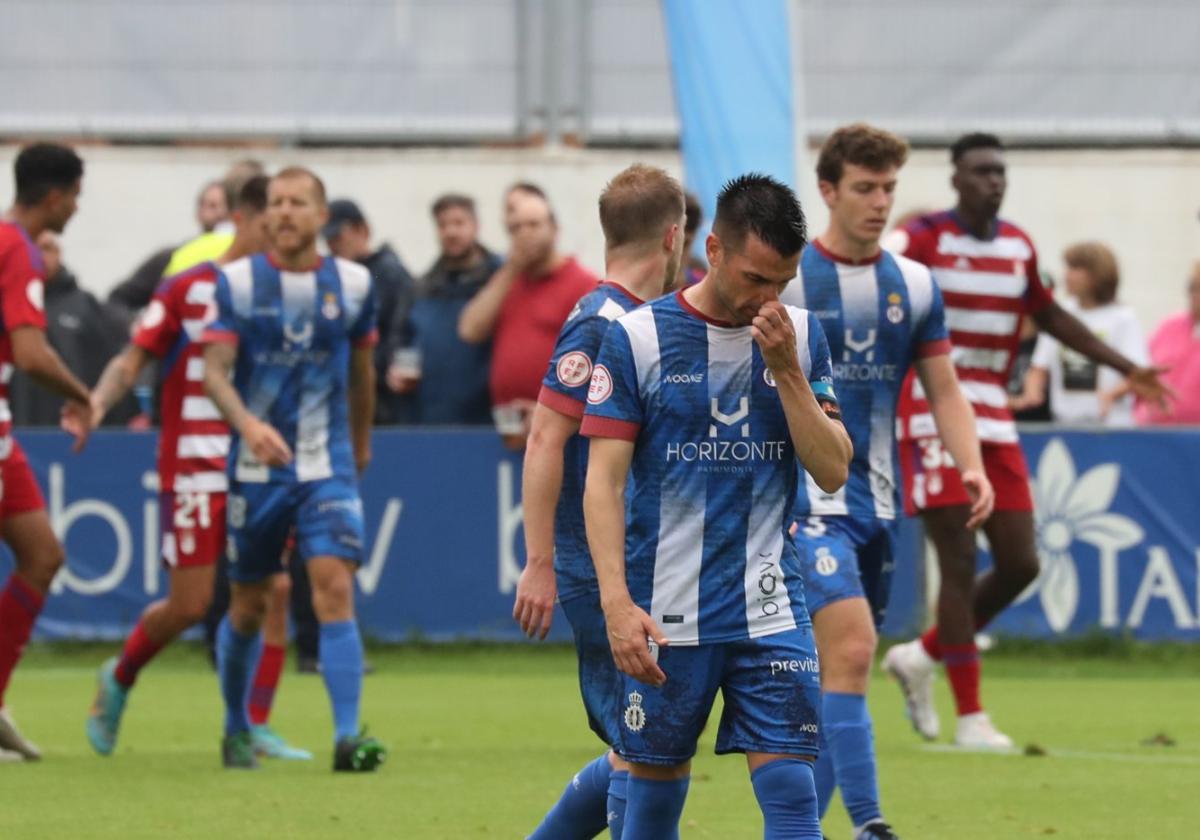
point(48, 179)
point(715, 396)
point(987, 270)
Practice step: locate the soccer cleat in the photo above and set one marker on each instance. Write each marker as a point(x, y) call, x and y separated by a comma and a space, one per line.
point(876, 830)
point(913, 669)
point(12, 740)
point(105, 717)
point(10, 757)
point(359, 754)
point(977, 732)
point(268, 744)
point(237, 752)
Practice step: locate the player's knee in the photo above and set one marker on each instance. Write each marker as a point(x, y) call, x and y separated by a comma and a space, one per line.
point(190, 608)
point(848, 665)
point(333, 594)
point(1022, 571)
point(281, 588)
point(39, 567)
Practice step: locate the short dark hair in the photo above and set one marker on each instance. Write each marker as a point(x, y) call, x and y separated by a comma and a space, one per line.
point(238, 174)
point(253, 195)
point(862, 145)
point(974, 140)
point(43, 167)
point(302, 172)
point(450, 200)
point(529, 188)
point(639, 205)
point(694, 213)
point(759, 204)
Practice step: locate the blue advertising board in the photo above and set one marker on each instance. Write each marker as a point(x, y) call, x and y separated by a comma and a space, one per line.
point(1118, 534)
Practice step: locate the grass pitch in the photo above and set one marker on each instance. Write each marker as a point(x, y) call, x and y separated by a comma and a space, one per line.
point(483, 739)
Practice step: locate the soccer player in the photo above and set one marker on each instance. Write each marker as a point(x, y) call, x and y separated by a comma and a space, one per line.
point(716, 396)
point(882, 314)
point(642, 214)
point(48, 179)
point(288, 363)
point(191, 468)
point(986, 268)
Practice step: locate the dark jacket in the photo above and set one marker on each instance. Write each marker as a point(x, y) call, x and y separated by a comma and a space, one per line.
point(454, 374)
point(86, 334)
point(394, 289)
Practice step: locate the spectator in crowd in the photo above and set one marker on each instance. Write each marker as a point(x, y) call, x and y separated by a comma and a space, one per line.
point(85, 333)
point(447, 376)
point(1081, 391)
point(522, 307)
point(348, 235)
point(1175, 346)
point(212, 214)
point(694, 268)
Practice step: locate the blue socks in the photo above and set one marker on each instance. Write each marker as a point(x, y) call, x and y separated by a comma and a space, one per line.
point(341, 656)
point(788, 799)
point(824, 775)
point(582, 811)
point(237, 657)
point(653, 809)
point(851, 745)
point(618, 792)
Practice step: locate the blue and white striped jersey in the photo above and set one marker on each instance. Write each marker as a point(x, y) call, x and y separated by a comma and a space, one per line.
point(879, 316)
point(565, 390)
point(294, 331)
point(714, 470)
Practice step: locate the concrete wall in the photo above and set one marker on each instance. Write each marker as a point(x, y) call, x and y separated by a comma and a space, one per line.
point(1142, 202)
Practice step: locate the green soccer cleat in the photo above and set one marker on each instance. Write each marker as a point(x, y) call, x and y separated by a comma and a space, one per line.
point(105, 717)
point(268, 744)
point(237, 752)
point(360, 754)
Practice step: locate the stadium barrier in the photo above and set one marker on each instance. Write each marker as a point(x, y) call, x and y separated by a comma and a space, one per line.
point(1118, 533)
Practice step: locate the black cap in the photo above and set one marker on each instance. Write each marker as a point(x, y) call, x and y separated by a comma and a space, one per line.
point(341, 211)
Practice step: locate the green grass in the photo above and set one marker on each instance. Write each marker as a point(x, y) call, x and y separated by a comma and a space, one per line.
point(483, 739)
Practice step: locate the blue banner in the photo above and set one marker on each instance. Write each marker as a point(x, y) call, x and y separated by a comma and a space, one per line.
point(1118, 535)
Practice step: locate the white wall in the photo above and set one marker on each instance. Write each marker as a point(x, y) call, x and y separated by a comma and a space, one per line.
point(1143, 203)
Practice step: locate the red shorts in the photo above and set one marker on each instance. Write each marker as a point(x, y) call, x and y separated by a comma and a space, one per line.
point(19, 491)
point(932, 481)
point(193, 528)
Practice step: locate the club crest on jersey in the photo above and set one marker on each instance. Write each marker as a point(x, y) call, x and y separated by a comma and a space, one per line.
point(187, 543)
point(826, 563)
point(36, 292)
point(895, 312)
point(769, 378)
point(330, 308)
point(635, 715)
point(602, 385)
point(573, 369)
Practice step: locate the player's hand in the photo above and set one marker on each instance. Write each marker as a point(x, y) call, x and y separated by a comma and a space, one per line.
point(629, 626)
point(534, 607)
point(77, 420)
point(1146, 383)
point(983, 497)
point(776, 337)
point(399, 382)
point(362, 459)
point(266, 444)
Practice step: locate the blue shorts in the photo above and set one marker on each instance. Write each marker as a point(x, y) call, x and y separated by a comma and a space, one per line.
point(845, 557)
point(772, 692)
point(599, 679)
point(326, 516)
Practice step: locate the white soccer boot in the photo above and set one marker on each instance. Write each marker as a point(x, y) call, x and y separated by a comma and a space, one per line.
point(913, 669)
point(977, 732)
point(12, 740)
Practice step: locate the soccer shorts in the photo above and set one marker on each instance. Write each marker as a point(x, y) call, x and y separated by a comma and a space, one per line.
point(326, 515)
point(846, 557)
point(931, 479)
point(193, 528)
point(772, 692)
point(19, 491)
point(599, 680)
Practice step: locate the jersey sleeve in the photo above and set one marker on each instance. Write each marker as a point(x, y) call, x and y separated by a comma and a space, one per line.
point(22, 291)
point(933, 339)
point(222, 326)
point(615, 407)
point(364, 332)
point(569, 374)
point(159, 325)
point(820, 376)
point(1037, 296)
